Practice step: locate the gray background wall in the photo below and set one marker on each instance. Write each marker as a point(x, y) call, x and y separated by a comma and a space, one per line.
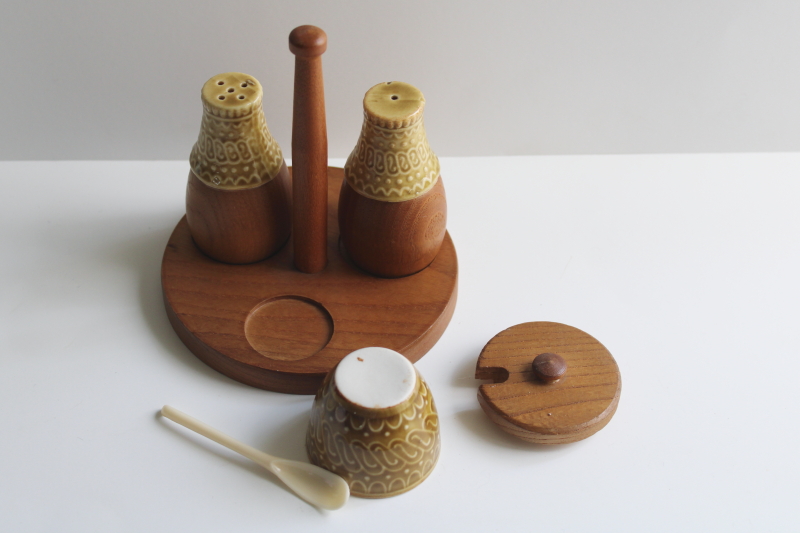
point(121, 80)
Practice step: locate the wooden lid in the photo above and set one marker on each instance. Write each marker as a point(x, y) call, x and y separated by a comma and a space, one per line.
point(542, 402)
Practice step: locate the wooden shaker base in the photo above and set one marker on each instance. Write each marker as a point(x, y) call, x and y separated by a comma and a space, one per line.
point(240, 226)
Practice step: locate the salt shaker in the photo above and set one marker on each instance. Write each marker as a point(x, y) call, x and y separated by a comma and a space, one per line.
point(239, 192)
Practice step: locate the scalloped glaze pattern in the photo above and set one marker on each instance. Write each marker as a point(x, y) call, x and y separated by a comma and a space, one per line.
point(235, 149)
point(392, 165)
point(378, 457)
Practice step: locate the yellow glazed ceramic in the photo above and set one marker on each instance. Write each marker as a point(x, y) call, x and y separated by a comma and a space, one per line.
point(234, 150)
point(392, 161)
point(374, 423)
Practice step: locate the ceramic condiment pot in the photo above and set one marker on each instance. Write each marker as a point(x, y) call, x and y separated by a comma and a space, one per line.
point(239, 193)
point(374, 423)
point(392, 208)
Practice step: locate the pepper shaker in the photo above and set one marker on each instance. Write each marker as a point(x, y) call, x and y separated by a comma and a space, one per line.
point(392, 207)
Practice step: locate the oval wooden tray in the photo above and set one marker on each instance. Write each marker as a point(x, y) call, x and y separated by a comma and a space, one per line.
point(271, 326)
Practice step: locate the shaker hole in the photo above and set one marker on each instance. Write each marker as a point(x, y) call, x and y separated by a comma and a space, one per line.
point(241, 97)
point(220, 82)
point(395, 97)
point(221, 97)
point(231, 90)
point(244, 84)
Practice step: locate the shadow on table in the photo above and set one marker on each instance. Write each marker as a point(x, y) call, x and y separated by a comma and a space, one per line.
point(89, 259)
point(289, 439)
point(147, 252)
point(464, 376)
point(476, 421)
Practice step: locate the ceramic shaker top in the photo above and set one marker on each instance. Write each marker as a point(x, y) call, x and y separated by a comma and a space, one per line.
point(234, 150)
point(392, 161)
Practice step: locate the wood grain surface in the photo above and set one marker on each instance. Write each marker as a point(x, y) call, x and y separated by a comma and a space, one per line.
point(270, 326)
point(240, 226)
point(392, 239)
point(572, 408)
point(309, 150)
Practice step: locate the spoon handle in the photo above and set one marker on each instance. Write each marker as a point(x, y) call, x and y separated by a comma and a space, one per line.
point(217, 436)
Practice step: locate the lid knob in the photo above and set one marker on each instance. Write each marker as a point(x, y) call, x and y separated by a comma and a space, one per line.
point(549, 367)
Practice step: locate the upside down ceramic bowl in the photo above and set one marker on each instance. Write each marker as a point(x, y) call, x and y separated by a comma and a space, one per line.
point(374, 423)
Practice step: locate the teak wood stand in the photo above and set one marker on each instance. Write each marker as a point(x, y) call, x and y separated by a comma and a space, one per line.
point(271, 326)
point(283, 323)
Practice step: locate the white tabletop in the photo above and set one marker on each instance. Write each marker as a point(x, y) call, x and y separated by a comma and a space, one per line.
point(686, 267)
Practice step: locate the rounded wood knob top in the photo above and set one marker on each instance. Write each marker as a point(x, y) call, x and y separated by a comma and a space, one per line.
point(308, 41)
point(549, 367)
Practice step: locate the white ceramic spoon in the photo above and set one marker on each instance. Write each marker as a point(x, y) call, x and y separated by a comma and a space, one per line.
point(315, 485)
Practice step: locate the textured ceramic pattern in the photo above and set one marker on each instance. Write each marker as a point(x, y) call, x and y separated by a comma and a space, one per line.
point(235, 149)
point(392, 160)
point(379, 456)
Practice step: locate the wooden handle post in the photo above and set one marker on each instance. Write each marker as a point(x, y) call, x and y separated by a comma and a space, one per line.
point(309, 151)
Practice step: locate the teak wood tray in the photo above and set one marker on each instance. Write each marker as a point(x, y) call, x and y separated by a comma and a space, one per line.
point(271, 326)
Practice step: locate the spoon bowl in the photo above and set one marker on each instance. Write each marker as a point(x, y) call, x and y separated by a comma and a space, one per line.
point(326, 488)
